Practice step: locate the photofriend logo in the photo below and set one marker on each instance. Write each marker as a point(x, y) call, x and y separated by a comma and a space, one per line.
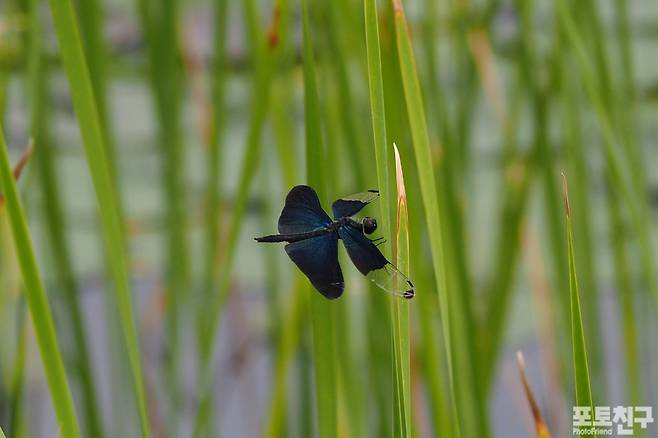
point(615, 421)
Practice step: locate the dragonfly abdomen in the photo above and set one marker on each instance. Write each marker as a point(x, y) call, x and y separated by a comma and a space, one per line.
point(296, 237)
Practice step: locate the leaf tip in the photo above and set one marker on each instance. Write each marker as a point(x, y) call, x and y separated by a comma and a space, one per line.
point(540, 424)
point(399, 176)
point(565, 194)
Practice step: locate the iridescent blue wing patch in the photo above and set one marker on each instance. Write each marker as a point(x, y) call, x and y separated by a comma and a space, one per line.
point(302, 212)
point(317, 258)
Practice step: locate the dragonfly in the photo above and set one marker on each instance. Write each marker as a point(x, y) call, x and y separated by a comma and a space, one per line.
point(312, 242)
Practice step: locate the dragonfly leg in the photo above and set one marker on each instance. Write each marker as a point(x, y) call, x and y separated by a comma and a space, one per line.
point(378, 241)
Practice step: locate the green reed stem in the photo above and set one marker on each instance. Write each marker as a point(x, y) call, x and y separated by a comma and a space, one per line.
point(37, 301)
point(54, 217)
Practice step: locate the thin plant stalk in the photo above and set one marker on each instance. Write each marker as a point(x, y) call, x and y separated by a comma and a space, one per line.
point(53, 215)
point(35, 294)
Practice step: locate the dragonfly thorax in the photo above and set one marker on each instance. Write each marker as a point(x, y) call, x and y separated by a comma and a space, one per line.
point(368, 224)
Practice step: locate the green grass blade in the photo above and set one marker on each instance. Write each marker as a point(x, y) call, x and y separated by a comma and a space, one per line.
point(400, 310)
point(75, 65)
point(634, 198)
point(323, 313)
point(35, 293)
point(468, 404)
point(377, 112)
point(53, 215)
point(2, 434)
point(17, 396)
point(581, 371)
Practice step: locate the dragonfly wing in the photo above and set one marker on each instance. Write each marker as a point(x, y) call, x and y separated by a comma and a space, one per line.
point(302, 212)
point(352, 204)
point(372, 263)
point(317, 258)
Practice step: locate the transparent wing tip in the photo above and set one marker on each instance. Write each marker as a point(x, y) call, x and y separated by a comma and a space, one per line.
point(409, 293)
point(389, 279)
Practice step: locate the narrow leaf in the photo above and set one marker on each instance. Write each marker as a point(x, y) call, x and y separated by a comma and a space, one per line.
point(44, 326)
point(581, 372)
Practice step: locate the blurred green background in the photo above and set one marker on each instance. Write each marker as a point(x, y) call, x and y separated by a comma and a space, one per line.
point(207, 117)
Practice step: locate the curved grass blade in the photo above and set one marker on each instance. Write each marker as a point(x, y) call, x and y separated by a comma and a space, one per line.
point(35, 294)
point(75, 65)
point(581, 371)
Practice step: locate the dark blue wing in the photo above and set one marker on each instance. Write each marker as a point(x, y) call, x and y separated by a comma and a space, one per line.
point(317, 258)
point(302, 212)
point(352, 204)
point(372, 263)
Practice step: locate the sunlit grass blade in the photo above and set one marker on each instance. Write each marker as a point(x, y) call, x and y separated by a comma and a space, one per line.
point(581, 371)
point(2, 434)
point(35, 293)
point(454, 313)
point(400, 311)
point(540, 424)
point(323, 312)
point(75, 65)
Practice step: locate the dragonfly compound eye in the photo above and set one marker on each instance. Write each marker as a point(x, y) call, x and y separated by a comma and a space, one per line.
point(369, 225)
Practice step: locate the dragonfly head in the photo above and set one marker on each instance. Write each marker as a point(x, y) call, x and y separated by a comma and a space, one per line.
point(369, 225)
